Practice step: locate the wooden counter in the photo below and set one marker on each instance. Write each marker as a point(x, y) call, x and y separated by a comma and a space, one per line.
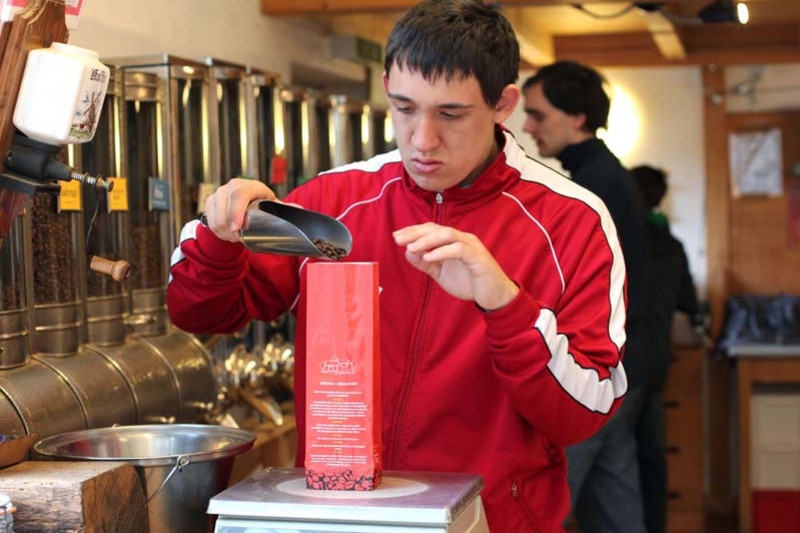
point(763, 365)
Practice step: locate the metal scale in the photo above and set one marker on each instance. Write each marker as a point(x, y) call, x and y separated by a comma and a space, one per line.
point(276, 500)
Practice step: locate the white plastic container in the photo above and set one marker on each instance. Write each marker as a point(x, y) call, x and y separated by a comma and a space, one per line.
point(61, 95)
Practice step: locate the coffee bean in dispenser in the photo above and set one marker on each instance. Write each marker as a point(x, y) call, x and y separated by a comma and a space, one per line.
point(55, 271)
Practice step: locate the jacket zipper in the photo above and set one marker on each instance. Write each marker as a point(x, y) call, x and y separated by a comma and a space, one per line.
point(525, 513)
point(415, 353)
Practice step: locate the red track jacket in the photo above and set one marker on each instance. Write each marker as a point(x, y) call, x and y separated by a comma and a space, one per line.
point(495, 393)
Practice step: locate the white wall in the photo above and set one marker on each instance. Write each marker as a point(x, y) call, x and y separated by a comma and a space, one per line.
point(762, 88)
point(669, 105)
point(233, 30)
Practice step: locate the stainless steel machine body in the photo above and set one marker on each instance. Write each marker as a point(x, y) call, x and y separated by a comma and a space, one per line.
point(381, 133)
point(170, 169)
point(264, 124)
point(351, 123)
point(322, 136)
point(228, 120)
point(107, 301)
point(14, 316)
point(294, 101)
point(55, 376)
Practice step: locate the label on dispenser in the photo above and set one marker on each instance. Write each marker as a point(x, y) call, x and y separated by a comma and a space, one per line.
point(159, 195)
point(118, 197)
point(343, 400)
point(69, 199)
point(278, 171)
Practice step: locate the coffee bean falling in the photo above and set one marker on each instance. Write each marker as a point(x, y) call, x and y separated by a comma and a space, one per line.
point(329, 250)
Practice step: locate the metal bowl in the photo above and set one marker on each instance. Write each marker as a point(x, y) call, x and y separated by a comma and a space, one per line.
point(151, 445)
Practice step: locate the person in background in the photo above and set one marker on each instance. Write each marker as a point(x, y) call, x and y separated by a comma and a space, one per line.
point(502, 284)
point(669, 288)
point(566, 104)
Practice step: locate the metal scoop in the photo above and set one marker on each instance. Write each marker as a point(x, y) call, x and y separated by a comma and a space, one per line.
point(276, 228)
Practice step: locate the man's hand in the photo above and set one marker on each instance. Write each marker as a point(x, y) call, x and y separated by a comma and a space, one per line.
point(458, 262)
point(225, 208)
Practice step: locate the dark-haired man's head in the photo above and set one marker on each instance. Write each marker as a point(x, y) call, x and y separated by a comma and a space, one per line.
point(456, 39)
point(451, 69)
point(653, 184)
point(565, 103)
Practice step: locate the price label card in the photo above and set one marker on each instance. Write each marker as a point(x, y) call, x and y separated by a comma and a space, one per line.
point(118, 197)
point(159, 195)
point(278, 174)
point(69, 199)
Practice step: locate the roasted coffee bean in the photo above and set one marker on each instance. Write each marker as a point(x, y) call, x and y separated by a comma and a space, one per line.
point(344, 480)
point(146, 256)
point(54, 272)
point(329, 250)
point(10, 298)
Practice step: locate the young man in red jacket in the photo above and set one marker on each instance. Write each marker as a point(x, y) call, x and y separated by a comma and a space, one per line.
point(502, 283)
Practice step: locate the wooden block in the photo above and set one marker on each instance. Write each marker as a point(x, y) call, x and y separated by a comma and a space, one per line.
point(75, 496)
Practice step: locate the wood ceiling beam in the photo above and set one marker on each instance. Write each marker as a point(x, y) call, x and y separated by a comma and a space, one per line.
point(308, 7)
point(665, 36)
point(375, 28)
point(776, 43)
point(535, 46)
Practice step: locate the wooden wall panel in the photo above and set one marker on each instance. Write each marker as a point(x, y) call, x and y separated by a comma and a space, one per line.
point(764, 258)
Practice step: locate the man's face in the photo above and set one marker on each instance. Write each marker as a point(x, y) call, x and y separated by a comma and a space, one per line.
point(444, 129)
point(552, 129)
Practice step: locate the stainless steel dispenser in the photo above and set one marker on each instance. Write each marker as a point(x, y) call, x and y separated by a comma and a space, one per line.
point(56, 236)
point(228, 119)
point(151, 234)
point(33, 399)
point(170, 168)
point(296, 127)
point(381, 133)
point(267, 147)
point(352, 126)
point(192, 372)
point(14, 325)
point(321, 132)
point(107, 299)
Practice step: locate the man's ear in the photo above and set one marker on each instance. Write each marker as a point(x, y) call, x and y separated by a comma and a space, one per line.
point(385, 78)
point(506, 104)
point(578, 121)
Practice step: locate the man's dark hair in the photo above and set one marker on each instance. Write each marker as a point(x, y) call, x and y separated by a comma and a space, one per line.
point(574, 89)
point(652, 182)
point(456, 38)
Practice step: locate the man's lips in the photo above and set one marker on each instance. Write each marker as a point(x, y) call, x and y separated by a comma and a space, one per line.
point(426, 166)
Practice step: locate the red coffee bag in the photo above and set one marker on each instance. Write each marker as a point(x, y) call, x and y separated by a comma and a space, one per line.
point(343, 402)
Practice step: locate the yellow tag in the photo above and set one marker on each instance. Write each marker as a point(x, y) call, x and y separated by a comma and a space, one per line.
point(118, 197)
point(69, 199)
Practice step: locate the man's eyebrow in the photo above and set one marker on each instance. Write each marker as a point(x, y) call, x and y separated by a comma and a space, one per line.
point(401, 98)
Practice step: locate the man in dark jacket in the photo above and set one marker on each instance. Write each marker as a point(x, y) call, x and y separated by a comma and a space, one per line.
point(566, 105)
point(669, 288)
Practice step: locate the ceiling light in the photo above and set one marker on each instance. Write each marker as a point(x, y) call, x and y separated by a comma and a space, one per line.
point(713, 12)
point(742, 13)
point(720, 11)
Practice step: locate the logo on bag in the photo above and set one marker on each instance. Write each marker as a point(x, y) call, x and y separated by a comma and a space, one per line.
point(334, 365)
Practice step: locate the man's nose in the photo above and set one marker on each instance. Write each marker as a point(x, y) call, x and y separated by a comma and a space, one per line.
point(529, 126)
point(426, 136)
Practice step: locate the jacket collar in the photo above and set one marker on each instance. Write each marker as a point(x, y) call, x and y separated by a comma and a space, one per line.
point(494, 179)
point(575, 155)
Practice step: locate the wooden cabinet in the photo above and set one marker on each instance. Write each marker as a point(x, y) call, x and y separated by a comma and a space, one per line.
point(684, 413)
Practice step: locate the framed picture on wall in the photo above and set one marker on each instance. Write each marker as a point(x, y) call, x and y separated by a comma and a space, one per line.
point(756, 163)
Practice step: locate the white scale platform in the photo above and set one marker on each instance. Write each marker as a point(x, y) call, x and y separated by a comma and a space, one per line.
point(276, 500)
